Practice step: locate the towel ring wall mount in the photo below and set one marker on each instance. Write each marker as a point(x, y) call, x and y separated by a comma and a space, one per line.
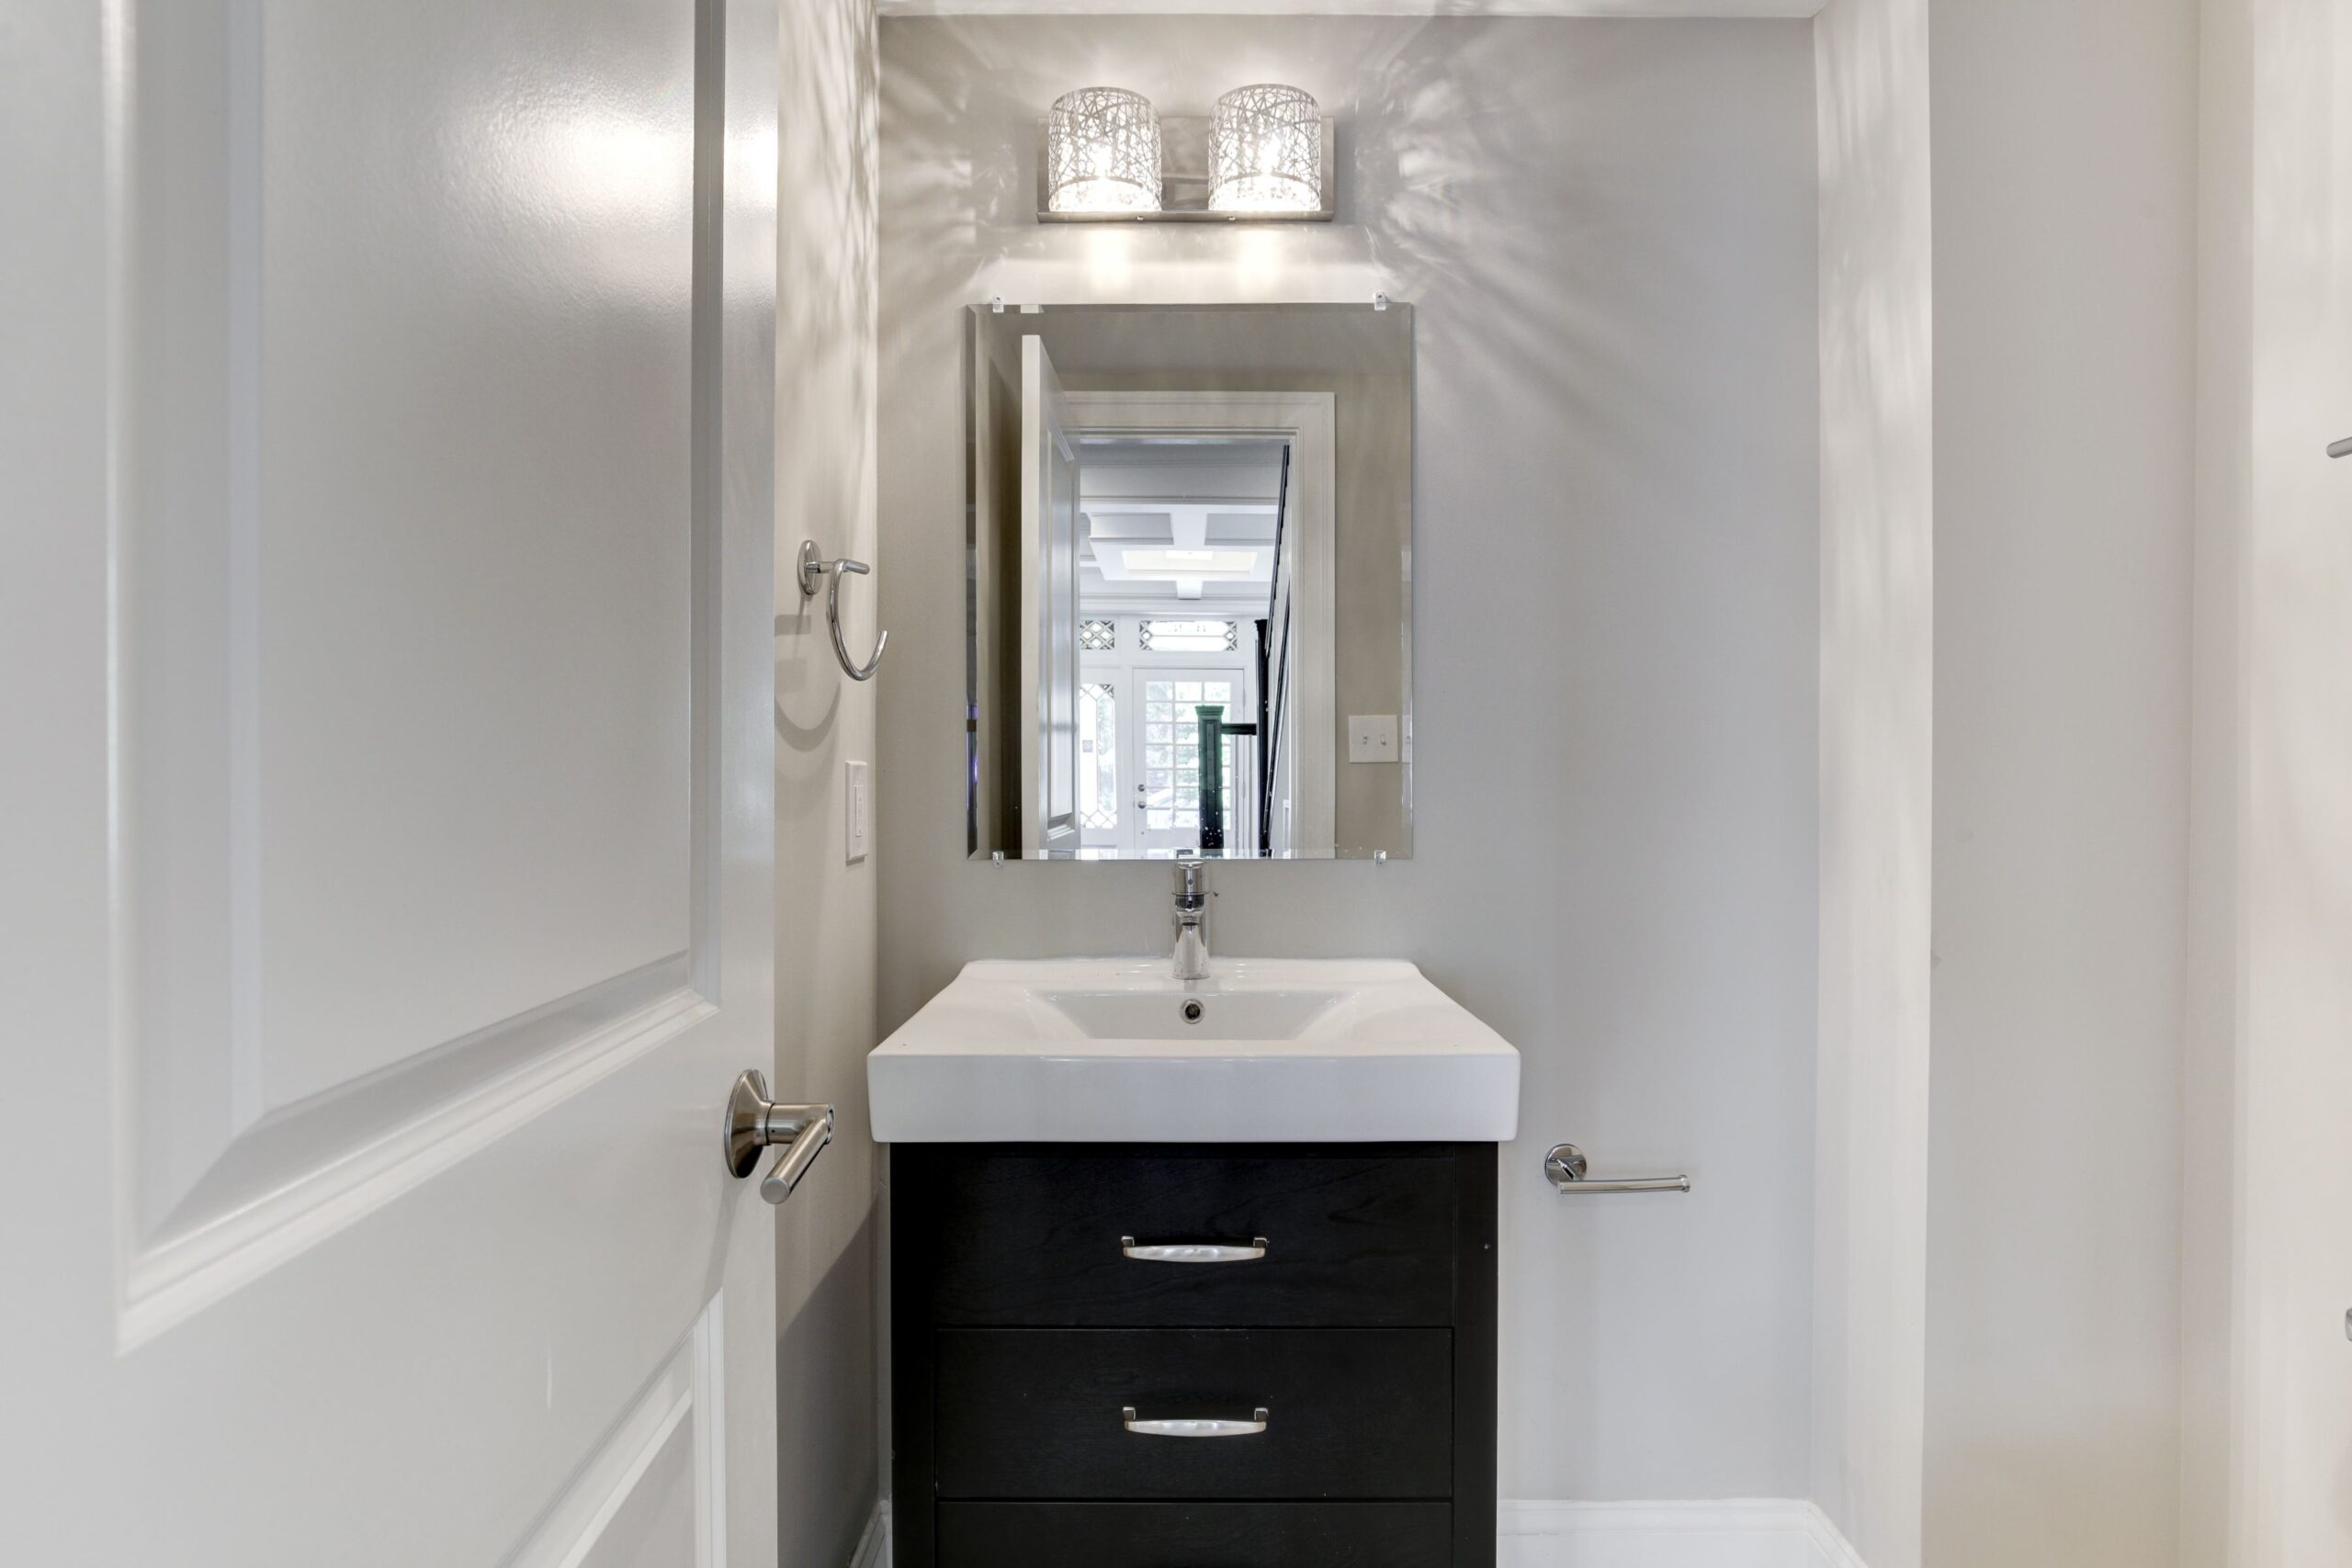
point(814, 566)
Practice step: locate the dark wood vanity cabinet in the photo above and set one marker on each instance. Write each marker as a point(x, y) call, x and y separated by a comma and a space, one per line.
point(1026, 1337)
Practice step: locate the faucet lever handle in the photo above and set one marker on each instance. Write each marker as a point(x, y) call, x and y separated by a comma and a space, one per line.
point(1188, 885)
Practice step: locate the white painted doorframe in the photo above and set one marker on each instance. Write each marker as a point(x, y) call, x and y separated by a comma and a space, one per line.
point(2292, 925)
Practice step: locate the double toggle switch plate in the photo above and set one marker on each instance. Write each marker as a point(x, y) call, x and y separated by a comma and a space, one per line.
point(1372, 737)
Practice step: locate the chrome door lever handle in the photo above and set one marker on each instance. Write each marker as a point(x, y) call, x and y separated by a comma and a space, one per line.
point(755, 1122)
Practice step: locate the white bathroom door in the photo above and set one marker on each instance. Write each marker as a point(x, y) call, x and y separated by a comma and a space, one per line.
point(1049, 479)
point(386, 517)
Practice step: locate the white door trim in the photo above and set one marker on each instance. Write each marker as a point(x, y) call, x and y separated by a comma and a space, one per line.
point(1310, 420)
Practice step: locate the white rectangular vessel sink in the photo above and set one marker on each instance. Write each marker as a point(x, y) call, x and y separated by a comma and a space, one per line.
point(1117, 1050)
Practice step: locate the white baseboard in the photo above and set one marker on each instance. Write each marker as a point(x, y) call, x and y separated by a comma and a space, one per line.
point(874, 1546)
point(1758, 1534)
point(1763, 1534)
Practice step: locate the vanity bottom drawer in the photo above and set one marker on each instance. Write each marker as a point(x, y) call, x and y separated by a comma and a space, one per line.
point(1196, 1535)
point(1351, 1413)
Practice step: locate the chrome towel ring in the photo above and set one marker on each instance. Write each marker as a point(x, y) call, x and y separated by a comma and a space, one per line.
point(814, 566)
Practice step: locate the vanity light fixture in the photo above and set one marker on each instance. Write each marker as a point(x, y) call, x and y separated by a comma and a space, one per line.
point(1104, 157)
point(1266, 151)
point(1102, 153)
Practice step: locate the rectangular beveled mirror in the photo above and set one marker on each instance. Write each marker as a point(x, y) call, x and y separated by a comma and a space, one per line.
point(1190, 590)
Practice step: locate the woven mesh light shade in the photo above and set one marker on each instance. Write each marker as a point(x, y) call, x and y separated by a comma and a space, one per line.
point(1266, 151)
point(1102, 153)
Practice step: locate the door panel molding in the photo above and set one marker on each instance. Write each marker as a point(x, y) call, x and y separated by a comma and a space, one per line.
point(215, 1184)
point(301, 1176)
point(676, 1425)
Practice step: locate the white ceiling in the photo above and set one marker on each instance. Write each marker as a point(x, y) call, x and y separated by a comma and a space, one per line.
point(1353, 7)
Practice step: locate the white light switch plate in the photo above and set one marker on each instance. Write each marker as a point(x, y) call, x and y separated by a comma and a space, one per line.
point(857, 809)
point(1372, 737)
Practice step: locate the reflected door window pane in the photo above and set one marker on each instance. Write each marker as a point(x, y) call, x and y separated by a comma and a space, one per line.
point(1098, 760)
point(1188, 637)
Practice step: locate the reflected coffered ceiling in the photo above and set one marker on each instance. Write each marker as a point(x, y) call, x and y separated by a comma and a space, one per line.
point(1170, 524)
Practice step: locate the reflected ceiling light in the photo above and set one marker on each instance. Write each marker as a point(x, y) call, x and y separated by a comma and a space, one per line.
point(1102, 153)
point(1266, 151)
point(1162, 562)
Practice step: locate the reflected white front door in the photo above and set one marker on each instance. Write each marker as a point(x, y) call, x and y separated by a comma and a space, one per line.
point(1168, 742)
point(385, 654)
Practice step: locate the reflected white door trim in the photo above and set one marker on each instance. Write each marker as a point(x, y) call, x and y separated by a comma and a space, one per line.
point(1309, 421)
point(1049, 574)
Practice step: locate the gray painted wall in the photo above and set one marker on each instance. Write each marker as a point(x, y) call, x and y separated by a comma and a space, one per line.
point(1609, 229)
point(827, 1445)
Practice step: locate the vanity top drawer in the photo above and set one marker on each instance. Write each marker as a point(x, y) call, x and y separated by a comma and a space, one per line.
point(1045, 1237)
point(1053, 1414)
point(1196, 1535)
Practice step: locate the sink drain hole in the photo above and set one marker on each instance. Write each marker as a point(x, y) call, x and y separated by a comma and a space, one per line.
point(1191, 1013)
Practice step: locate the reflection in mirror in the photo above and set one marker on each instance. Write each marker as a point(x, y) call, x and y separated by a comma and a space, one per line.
point(1189, 533)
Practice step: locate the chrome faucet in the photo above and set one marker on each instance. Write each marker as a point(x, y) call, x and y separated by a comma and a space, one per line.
point(1191, 922)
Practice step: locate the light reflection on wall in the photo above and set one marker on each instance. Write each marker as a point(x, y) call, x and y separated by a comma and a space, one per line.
point(1110, 260)
point(600, 194)
point(1257, 261)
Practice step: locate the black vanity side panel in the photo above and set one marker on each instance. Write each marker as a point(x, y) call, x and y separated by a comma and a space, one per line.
point(1475, 1360)
point(913, 1243)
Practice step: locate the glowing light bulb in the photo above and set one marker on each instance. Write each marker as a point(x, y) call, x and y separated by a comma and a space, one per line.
point(1102, 153)
point(1266, 151)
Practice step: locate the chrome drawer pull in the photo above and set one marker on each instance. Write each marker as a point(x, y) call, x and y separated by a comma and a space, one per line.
point(1193, 1251)
point(1203, 1428)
